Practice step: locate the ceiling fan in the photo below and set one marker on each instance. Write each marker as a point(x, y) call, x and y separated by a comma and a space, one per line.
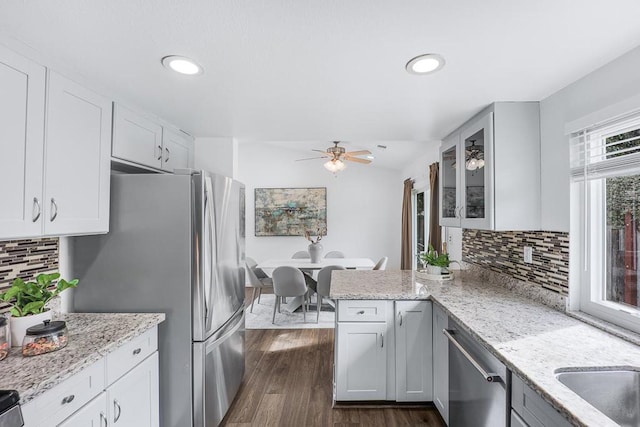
point(336, 156)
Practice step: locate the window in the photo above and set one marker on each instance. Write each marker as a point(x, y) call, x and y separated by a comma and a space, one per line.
point(606, 175)
point(420, 222)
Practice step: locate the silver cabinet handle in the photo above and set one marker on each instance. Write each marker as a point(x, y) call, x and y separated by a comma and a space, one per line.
point(117, 411)
point(68, 399)
point(103, 420)
point(36, 213)
point(489, 376)
point(168, 153)
point(400, 316)
point(360, 312)
point(159, 152)
point(381, 340)
point(54, 210)
point(460, 211)
point(136, 351)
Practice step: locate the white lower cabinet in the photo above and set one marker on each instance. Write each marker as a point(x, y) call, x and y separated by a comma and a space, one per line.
point(529, 409)
point(93, 414)
point(93, 398)
point(414, 373)
point(133, 399)
point(440, 363)
point(383, 351)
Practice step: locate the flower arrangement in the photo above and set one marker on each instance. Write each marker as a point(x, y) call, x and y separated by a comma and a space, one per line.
point(319, 233)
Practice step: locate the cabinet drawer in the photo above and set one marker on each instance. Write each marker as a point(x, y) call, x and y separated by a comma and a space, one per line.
point(362, 311)
point(130, 354)
point(56, 404)
point(533, 409)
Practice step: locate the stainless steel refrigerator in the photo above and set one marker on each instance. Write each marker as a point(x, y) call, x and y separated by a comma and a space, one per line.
point(175, 245)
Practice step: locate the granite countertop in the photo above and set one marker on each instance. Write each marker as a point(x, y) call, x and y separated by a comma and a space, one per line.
point(91, 336)
point(531, 339)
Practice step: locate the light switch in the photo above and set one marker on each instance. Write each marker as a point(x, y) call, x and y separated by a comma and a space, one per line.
point(528, 254)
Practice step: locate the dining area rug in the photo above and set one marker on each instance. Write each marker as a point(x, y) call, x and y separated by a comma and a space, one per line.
point(263, 313)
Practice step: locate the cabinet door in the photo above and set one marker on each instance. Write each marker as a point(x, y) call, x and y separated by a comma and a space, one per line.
point(133, 399)
point(414, 363)
point(136, 138)
point(476, 173)
point(440, 363)
point(77, 164)
point(450, 181)
point(93, 414)
point(361, 361)
point(176, 150)
point(22, 105)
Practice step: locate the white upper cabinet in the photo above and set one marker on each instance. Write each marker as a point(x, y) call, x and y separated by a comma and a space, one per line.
point(22, 89)
point(490, 170)
point(136, 138)
point(146, 142)
point(176, 150)
point(77, 164)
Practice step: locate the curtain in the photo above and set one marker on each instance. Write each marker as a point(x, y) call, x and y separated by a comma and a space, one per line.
point(435, 233)
point(406, 254)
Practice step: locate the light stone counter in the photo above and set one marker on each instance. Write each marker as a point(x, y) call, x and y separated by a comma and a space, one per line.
point(531, 339)
point(91, 336)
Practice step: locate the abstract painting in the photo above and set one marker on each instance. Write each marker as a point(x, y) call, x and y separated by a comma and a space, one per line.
point(289, 211)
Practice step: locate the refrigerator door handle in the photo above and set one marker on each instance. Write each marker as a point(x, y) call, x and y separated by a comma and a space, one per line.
point(213, 258)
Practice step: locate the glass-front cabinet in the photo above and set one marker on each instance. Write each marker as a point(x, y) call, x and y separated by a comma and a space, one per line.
point(490, 170)
point(465, 181)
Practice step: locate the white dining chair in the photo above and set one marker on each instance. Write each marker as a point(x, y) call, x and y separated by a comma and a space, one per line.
point(301, 255)
point(289, 282)
point(323, 288)
point(258, 280)
point(334, 254)
point(382, 264)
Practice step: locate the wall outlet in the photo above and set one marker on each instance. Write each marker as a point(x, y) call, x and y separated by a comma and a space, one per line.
point(528, 254)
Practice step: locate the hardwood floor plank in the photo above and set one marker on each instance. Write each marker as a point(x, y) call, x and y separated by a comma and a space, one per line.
point(289, 382)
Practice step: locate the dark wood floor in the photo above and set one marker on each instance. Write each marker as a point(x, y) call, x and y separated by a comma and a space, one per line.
point(288, 382)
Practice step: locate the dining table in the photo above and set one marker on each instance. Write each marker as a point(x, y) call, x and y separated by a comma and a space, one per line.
point(306, 264)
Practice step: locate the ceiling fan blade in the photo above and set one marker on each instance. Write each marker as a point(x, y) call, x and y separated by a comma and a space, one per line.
point(357, 160)
point(357, 153)
point(310, 158)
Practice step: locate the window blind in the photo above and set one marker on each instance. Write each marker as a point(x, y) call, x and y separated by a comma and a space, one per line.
point(606, 149)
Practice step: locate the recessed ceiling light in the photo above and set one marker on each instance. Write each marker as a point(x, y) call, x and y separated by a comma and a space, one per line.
point(425, 64)
point(182, 65)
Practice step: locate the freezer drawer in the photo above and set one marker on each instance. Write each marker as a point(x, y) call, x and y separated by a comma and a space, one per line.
point(218, 369)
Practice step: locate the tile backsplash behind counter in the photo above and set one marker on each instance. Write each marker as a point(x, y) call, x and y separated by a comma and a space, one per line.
point(26, 259)
point(502, 252)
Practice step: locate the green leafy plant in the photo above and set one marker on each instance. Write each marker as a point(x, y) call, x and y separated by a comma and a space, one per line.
point(431, 257)
point(31, 297)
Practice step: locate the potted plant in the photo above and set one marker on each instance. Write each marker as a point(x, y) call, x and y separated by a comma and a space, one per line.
point(436, 263)
point(29, 299)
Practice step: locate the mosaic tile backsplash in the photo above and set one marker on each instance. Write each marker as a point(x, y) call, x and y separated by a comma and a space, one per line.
point(26, 259)
point(503, 252)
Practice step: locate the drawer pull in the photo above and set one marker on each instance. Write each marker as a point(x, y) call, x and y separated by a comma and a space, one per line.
point(360, 312)
point(68, 399)
point(117, 411)
point(137, 351)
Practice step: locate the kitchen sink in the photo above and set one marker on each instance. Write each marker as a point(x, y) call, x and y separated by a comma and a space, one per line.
point(615, 392)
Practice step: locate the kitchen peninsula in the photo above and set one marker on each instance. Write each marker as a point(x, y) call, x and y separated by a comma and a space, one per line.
point(532, 340)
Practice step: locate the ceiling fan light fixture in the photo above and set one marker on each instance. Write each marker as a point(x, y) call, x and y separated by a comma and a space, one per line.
point(182, 65)
point(335, 165)
point(425, 64)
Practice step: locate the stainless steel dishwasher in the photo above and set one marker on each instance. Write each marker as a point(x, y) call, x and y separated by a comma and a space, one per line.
point(477, 383)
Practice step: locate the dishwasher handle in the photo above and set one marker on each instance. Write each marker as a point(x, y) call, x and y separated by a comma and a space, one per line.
point(489, 376)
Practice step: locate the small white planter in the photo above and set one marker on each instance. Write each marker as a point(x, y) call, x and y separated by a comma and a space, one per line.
point(434, 269)
point(19, 325)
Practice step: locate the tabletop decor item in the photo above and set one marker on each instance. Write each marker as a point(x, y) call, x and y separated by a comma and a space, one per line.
point(45, 337)
point(315, 248)
point(29, 299)
point(437, 264)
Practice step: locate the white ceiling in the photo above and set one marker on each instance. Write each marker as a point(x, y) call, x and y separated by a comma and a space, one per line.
point(328, 69)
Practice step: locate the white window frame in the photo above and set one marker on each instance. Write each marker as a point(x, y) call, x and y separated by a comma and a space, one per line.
point(414, 214)
point(587, 249)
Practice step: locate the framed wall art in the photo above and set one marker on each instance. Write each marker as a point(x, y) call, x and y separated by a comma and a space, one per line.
point(289, 211)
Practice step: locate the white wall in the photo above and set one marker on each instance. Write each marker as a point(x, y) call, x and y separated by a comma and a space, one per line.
point(364, 203)
point(217, 155)
point(611, 84)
